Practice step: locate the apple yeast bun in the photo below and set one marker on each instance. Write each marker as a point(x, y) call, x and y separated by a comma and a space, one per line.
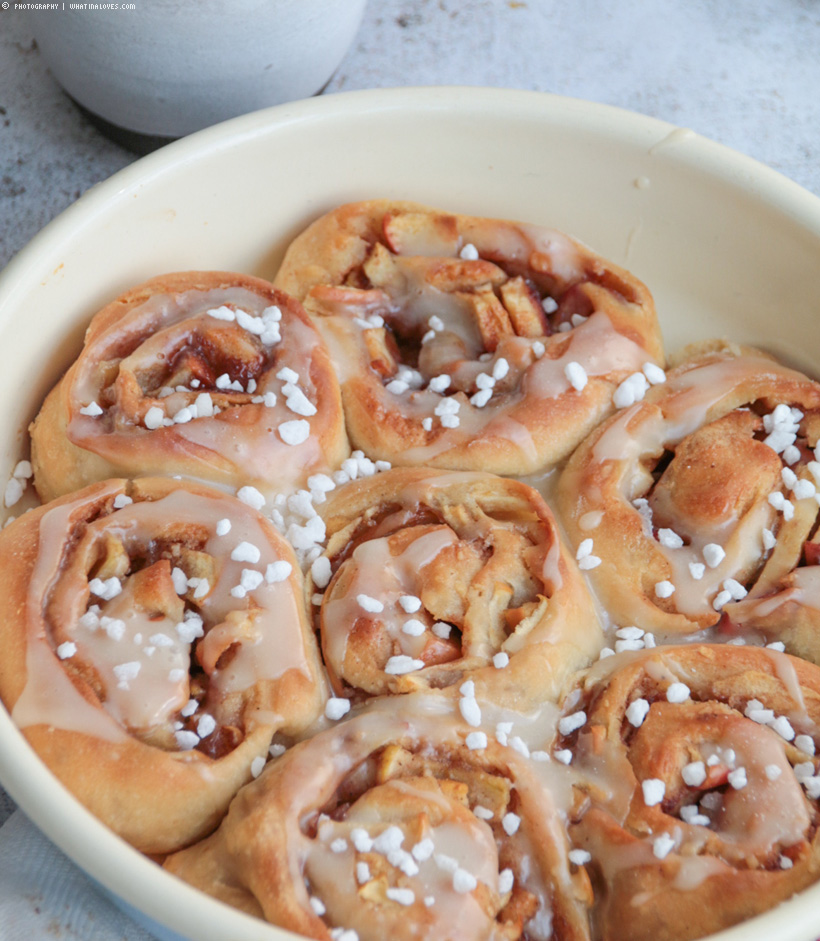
point(432, 577)
point(154, 640)
point(700, 788)
point(467, 343)
point(698, 505)
point(390, 825)
point(212, 375)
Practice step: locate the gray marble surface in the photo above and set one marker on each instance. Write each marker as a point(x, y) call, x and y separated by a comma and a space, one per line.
point(744, 74)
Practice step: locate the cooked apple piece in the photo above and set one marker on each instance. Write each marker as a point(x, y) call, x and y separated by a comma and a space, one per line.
point(525, 310)
point(382, 351)
point(491, 317)
point(382, 271)
point(421, 233)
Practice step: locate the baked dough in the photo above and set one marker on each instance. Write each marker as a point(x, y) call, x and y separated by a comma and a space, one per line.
point(448, 333)
point(437, 577)
point(213, 375)
point(700, 781)
point(390, 826)
point(141, 662)
point(701, 495)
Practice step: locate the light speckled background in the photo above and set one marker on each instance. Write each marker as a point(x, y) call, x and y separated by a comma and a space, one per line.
point(745, 74)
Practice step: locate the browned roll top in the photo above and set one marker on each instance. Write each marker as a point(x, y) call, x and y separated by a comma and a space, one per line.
point(698, 787)
point(468, 343)
point(154, 641)
point(434, 577)
point(701, 503)
point(387, 825)
point(213, 375)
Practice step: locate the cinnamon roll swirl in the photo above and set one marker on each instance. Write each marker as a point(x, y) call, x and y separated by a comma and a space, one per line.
point(431, 577)
point(154, 640)
point(700, 784)
point(467, 343)
point(389, 825)
point(211, 375)
point(698, 505)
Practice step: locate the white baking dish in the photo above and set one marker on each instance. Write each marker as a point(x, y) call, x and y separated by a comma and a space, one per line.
point(727, 246)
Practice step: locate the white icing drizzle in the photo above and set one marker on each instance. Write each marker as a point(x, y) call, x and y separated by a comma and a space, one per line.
point(306, 778)
point(386, 577)
point(685, 403)
point(600, 349)
point(49, 696)
point(693, 871)
point(516, 242)
point(784, 668)
point(767, 814)
point(590, 520)
point(803, 589)
point(470, 844)
point(517, 567)
point(263, 629)
point(242, 439)
point(421, 295)
point(597, 346)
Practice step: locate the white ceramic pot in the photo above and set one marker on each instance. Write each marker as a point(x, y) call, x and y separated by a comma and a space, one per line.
point(169, 67)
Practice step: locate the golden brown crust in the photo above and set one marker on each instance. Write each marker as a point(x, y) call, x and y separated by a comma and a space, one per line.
point(483, 558)
point(154, 347)
point(378, 276)
point(687, 490)
point(315, 826)
point(334, 245)
point(455, 568)
point(733, 829)
point(105, 666)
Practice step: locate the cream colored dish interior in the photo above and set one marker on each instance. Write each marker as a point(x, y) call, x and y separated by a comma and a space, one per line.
point(726, 246)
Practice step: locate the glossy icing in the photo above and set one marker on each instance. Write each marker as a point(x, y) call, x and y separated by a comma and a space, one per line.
point(147, 358)
point(148, 622)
